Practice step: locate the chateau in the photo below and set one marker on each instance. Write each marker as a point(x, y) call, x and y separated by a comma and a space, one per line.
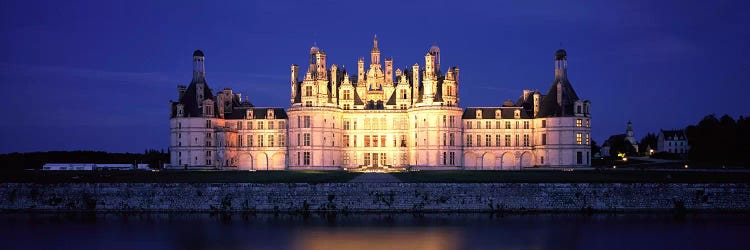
point(410, 118)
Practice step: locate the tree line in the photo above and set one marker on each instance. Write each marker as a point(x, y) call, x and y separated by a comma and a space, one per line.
point(720, 141)
point(35, 160)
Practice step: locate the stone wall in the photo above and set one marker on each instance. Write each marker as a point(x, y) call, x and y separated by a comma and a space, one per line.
point(358, 197)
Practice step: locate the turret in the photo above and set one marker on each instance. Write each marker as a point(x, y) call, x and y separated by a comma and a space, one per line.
point(429, 65)
point(561, 64)
point(198, 68)
point(375, 52)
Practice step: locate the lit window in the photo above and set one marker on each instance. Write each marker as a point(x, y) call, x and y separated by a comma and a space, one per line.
point(579, 138)
point(579, 123)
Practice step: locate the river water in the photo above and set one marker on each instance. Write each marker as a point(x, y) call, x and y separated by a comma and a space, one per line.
point(373, 231)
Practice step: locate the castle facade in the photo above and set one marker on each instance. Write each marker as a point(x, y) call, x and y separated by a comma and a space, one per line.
point(380, 118)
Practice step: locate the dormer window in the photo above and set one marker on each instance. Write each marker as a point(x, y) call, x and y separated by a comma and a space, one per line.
point(249, 114)
point(479, 114)
point(498, 114)
point(517, 114)
point(269, 114)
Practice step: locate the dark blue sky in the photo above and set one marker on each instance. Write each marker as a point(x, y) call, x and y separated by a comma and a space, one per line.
point(99, 74)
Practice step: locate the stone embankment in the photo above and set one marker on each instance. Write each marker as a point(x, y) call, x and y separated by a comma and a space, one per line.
point(375, 197)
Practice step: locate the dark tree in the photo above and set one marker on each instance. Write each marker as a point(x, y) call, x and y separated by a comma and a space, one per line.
point(720, 142)
point(647, 141)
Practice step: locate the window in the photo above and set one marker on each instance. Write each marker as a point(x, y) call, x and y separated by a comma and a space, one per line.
point(382, 140)
point(452, 140)
point(308, 103)
point(479, 125)
point(346, 125)
point(306, 137)
point(588, 123)
point(307, 121)
point(208, 123)
point(367, 140)
point(525, 124)
point(355, 125)
point(468, 140)
point(282, 140)
point(239, 125)
point(507, 125)
point(544, 139)
point(270, 140)
point(306, 157)
point(541, 159)
point(487, 140)
point(355, 141)
point(260, 141)
point(347, 106)
point(517, 141)
point(402, 106)
point(498, 140)
point(367, 159)
point(452, 158)
point(249, 125)
point(347, 95)
point(239, 141)
point(346, 159)
point(526, 140)
point(249, 140)
point(497, 124)
point(260, 124)
point(488, 125)
point(507, 140)
point(346, 140)
point(444, 122)
point(544, 123)
point(579, 123)
point(403, 93)
point(282, 124)
point(479, 140)
point(468, 124)
point(445, 139)
point(452, 119)
point(308, 90)
point(270, 124)
point(587, 138)
point(579, 138)
point(445, 158)
point(579, 157)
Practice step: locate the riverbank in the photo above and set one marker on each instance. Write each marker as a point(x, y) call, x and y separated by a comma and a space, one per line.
point(377, 197)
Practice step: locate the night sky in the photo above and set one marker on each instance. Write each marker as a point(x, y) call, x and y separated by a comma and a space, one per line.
point(98, 75)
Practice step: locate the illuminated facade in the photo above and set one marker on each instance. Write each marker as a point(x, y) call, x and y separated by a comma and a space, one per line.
point(379, 118)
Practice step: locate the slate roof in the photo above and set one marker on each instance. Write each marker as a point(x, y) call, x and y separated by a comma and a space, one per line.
point(258, 113)
point(189, 100)
point(669, 134)
point(489, 113)
point(550, 107)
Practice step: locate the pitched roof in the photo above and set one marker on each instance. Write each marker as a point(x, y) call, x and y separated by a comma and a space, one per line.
point(189, 100)
point(669, 134)
point(550, 106)
point(489, 112)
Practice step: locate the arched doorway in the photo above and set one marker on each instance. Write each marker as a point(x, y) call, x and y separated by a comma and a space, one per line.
point(277, 161)
point(261, 162)
point(246, 161)
point(470, 161)
point(488, 161)
point(508, 161)
point(526, 160)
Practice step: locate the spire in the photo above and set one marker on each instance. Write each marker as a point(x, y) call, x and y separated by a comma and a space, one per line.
point(375, 42)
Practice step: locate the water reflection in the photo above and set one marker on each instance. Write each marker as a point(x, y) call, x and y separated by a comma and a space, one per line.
point(372, 231)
